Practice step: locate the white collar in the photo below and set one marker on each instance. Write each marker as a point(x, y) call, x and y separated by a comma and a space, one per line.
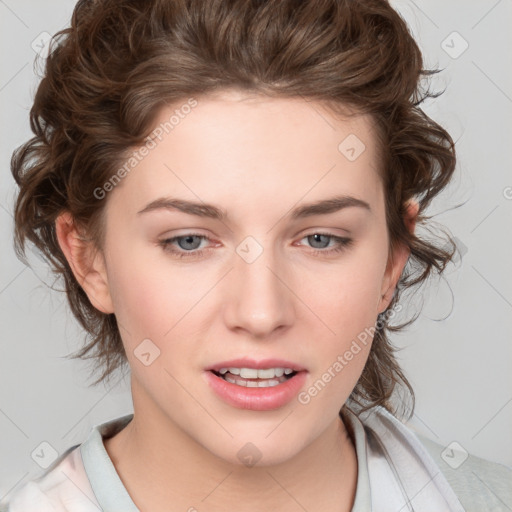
point(402, 475)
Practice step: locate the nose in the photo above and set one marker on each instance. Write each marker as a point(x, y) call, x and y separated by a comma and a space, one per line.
point(261, 296)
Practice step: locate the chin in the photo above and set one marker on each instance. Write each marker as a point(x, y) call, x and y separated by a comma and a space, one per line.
point(256, 451)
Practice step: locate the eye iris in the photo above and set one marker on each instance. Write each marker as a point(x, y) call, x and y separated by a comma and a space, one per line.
point(188, 238)
point(315, 240)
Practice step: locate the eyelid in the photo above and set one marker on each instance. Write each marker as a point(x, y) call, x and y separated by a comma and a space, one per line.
point(326, 231)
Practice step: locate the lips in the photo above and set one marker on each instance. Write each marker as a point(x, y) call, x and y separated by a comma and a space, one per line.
point(273, 395)
point(258, 365)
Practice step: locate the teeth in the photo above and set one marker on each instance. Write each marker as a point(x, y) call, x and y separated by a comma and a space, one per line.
point(253, 373)
point(255, 384)
point(233, 381)
point(267, 374)
point(248, 373)
point(269, 377)
point(268, 384)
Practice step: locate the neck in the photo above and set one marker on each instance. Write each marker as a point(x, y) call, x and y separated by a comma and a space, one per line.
point(164, 469)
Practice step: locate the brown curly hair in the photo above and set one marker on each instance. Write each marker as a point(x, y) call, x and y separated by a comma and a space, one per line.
point(120, 61)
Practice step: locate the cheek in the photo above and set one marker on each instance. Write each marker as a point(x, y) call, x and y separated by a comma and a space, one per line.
point(346, 296)
point(158, 300)
point(146, 300)
point(343, 349)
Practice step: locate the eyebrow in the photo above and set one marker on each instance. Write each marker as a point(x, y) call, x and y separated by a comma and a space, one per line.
point(322, 207)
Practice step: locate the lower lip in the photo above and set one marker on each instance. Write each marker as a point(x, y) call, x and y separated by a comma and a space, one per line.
point(257, 399)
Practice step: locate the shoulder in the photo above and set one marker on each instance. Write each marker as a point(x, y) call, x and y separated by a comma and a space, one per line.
point(480, 485)
point(62, 487)
point(66, 486)
point(30, 497)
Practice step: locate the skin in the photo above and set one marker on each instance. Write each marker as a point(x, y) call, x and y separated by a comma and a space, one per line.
point(257, 158)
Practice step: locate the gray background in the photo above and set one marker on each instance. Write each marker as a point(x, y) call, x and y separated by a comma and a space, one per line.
point(458, 353)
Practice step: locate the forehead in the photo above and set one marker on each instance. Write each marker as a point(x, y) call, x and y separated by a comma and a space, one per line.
point(275, 123)
point(235, 148)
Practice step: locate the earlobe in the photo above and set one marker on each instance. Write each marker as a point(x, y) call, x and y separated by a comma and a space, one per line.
point(86, 262)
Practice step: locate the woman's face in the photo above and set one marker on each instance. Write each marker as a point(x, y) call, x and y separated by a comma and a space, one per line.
point(259, 273)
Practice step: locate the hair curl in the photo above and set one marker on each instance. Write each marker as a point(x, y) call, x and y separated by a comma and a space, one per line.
point(108, 74)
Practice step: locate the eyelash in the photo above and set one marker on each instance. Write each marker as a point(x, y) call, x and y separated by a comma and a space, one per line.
point(343, 243)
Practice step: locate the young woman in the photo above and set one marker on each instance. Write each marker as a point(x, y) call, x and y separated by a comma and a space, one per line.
point(230, 191)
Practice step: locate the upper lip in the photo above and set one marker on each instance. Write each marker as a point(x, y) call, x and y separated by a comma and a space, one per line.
point(258, 365)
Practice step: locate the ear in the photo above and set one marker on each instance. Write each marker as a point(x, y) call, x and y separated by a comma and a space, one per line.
point(86, 262)
point(397, 259)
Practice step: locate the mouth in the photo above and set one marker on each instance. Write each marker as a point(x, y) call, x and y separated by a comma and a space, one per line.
point(257, 385)
point(255, 378)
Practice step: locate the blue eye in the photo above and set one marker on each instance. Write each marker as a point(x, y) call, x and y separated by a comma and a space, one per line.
point(341, 243)
point(188, 244)
point(187, 252)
